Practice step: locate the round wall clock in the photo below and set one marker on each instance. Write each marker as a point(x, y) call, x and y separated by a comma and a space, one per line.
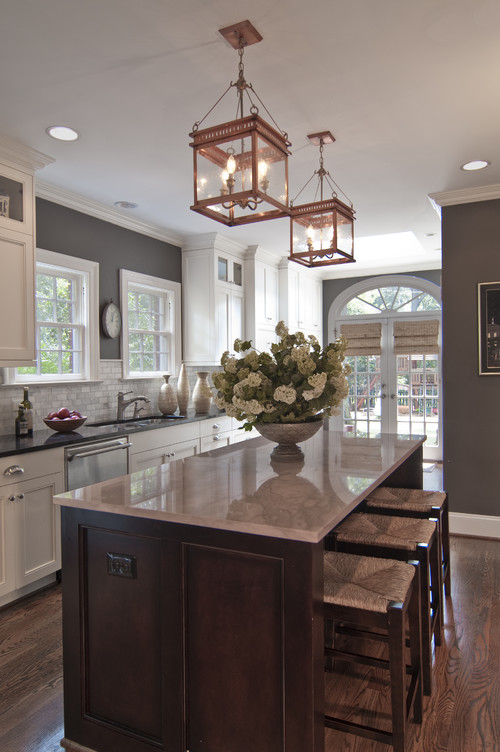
point(111, 320)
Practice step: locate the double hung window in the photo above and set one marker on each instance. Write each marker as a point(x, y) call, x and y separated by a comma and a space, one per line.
point(66, 321)
point(151, 325)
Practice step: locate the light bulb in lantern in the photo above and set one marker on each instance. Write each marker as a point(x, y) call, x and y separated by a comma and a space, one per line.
point(310, 237)
point(263, 179)
point(231, 165)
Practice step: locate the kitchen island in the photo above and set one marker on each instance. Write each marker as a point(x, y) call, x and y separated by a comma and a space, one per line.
point(192, 595)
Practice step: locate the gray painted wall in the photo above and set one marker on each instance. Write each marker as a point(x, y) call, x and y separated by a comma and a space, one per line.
point(471, 402)
point(68, 231)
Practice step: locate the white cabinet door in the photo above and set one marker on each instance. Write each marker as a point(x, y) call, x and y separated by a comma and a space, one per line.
point(17, 299)
point(228, 318)
point(266, 295)
point(309, 304)
point(39, 536)
point(30, 532)
point(7, 543)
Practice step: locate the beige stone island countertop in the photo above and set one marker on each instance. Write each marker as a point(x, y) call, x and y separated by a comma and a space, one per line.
point(237, 489)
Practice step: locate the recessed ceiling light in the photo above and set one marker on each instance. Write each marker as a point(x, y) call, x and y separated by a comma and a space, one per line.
point(63, 132)
point(477, 164)
point(126, 204)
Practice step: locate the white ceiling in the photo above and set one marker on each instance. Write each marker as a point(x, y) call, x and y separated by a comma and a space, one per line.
point(409, 89)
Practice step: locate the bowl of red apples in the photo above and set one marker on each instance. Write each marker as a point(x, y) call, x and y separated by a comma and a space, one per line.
point(64, 420)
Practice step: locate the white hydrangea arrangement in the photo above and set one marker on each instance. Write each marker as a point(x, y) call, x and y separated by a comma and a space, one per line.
point(298, 381)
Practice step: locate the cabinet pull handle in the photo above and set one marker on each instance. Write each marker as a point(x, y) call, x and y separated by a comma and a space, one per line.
point(13, 470)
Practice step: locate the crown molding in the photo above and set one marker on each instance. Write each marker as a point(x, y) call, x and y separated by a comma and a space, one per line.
point(466, 195)
point(22, 156)
point(101, 211)
point(213, 241)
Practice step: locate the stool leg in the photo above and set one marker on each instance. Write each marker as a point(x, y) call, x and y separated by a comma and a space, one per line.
point(416, 647)
point(436, 589)
point(425, 615)
point(398, 675)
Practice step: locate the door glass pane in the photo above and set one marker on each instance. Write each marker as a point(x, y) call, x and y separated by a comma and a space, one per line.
point(362, 407)
point(11, 198)
point(237, 274)
point(222, 269)
point(418, 396)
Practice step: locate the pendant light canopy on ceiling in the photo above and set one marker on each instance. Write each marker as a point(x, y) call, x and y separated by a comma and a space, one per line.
point(241, 166)
point(322, 232)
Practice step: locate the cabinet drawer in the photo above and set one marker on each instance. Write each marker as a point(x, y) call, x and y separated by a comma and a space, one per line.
point(163, 437)
point(33, 465)
point(214, 442)
point(214, 426)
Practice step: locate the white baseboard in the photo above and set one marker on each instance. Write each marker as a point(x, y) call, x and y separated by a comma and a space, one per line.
point(475, 525)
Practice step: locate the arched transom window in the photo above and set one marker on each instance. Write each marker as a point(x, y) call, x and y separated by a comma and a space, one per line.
point(394, 298)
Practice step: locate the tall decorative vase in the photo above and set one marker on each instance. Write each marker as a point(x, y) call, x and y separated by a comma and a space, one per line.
point(183, 390)
point(202, 394)
point(167, 401)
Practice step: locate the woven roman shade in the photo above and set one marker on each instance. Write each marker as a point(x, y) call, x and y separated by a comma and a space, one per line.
point(363, 338)
point(417, 337)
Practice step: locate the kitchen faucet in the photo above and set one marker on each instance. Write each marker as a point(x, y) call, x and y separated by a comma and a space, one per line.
point(123, 403)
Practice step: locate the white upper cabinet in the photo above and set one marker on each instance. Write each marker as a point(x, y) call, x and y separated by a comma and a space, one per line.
point(301, 299)
point(262, 297)
point(213, 307)
point(17, 252)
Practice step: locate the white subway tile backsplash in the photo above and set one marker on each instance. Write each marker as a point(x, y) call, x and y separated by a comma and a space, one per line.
point(96, 400)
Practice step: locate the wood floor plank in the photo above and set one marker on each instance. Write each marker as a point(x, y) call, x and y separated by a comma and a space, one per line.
point(462, 715)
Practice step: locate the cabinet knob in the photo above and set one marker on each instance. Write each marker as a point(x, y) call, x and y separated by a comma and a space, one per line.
point(12, 498)
point(20, 496)
point(216, 426)
point(172, 454)
point(216, 438)
point(13, 470)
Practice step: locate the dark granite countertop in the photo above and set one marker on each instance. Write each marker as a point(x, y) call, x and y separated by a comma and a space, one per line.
point(47, 439)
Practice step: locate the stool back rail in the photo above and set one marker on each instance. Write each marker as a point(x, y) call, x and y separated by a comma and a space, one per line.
point(391, 537)
point(360, 607)
point(416, 502)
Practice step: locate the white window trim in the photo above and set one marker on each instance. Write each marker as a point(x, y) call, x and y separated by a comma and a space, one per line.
point(128, 278)
point(91, 334)
point(334, 314)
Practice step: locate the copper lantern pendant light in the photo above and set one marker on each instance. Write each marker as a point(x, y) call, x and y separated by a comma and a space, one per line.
point(322, 232)
point(241, 166)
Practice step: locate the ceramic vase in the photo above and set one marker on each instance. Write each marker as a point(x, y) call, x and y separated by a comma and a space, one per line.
point(286, 435)
point(183, 390)
point(167, 401)
point(202, 394)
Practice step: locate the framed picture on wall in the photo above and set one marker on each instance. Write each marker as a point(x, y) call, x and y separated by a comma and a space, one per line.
point(488, 298)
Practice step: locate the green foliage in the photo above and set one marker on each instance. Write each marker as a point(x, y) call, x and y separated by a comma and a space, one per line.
point(298, 381)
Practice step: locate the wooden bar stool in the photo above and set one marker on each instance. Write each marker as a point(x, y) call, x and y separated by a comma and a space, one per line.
point(377, 599)
point(415, 502)
point(402, 538)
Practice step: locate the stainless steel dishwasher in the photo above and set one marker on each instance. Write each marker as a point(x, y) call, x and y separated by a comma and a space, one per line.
point(95, 461)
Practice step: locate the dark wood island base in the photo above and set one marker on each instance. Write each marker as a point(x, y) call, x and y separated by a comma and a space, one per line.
point(193, 617)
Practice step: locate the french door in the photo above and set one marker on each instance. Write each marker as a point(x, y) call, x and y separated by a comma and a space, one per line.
point(394, 393)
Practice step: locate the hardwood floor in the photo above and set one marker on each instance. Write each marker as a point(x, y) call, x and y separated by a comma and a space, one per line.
point(463, 714)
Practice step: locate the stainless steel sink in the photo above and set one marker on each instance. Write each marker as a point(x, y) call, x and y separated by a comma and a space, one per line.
point(137, 422)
